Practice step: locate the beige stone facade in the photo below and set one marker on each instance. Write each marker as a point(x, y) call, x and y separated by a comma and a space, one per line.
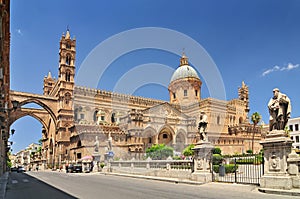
point(75, 118)
point(4, 80)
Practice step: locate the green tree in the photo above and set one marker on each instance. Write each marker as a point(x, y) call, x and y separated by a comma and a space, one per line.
point(188, 150)
point(255, 118)
point(159, 152)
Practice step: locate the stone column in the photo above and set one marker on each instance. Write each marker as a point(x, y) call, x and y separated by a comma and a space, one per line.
point(202, 162)
point(277, 146)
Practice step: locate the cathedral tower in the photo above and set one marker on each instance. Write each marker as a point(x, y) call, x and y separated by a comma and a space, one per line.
point(66, 73)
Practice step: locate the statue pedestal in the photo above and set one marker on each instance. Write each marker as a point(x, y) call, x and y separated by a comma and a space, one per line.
point(202, 160)
point(96, 162)
point(277, 146)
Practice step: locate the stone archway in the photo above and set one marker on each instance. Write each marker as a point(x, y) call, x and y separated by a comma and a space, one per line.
point(165, 136)
point(149, 137)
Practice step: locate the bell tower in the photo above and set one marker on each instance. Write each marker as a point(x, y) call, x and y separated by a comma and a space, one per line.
point(66, 73)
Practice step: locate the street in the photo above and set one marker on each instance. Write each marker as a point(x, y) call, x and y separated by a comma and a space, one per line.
point(21, 185)
point(96, 185)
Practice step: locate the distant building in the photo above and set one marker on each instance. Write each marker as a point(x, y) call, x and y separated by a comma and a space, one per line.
point(294, 130)
point(29, 157)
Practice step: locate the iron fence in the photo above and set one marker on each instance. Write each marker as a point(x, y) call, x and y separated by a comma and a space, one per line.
point(240, 169)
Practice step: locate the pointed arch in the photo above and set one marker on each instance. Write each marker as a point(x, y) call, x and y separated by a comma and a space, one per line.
point(43, 105)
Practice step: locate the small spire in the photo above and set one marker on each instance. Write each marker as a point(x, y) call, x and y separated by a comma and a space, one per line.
point(49, 75)
point(68, 34)
point(184, 60)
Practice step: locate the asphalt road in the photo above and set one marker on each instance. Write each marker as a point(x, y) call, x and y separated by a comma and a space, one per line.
point(97, 185)
point(23, 186)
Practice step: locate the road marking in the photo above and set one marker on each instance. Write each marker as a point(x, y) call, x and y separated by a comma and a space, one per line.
point(14, 181)
point(25, 180)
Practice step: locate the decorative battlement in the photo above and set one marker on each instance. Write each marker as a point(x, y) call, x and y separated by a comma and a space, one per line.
point(116, 96)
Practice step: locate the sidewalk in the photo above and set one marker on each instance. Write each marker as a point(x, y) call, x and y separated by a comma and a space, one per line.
point(246, 187)
point(3, 182)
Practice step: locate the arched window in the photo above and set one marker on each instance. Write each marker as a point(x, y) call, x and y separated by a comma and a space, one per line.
point(184, 93)
point(68, 76)
point(68, 59)
point(95, 116)
point(67, 98)
point(79, 143)
point(68, 46)
point(165, 136)
point(218, 119)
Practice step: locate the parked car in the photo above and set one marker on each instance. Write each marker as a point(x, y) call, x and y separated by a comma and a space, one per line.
point(74, 168)
point(21, 169)
point(14, 169)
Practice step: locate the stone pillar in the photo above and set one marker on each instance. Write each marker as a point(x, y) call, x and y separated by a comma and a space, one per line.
point(277, 146)
point(202, 162)
point(293, 168)
point(96, 162)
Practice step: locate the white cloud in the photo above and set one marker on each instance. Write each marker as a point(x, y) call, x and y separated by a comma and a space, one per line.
point(290, 66)
point(19, 32)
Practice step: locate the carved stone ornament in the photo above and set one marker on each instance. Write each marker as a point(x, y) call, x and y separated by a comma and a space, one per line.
point(274, 163)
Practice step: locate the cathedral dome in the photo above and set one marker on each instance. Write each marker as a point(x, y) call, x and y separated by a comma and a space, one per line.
point(184, 70)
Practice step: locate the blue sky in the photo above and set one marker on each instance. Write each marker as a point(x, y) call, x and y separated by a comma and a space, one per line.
point(253, 41)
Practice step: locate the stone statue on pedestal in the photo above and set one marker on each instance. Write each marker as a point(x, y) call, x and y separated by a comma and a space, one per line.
point(280, 110)
point(202, 126)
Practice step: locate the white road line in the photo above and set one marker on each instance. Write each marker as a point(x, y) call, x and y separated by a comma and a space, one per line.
point(14, 181)
point(25, 180)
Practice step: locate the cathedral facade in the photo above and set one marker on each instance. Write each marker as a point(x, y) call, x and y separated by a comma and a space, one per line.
point(86, 116)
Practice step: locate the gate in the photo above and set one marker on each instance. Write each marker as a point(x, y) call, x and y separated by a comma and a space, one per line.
point(238, 169)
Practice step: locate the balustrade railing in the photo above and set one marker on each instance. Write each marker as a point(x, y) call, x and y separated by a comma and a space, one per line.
point(154, 164)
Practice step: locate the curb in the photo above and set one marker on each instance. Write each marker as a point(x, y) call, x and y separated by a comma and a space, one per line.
point(280, 191)
point(3, 183)
point(173, 180)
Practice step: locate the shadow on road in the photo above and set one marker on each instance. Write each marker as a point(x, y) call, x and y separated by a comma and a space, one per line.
point(21, 185)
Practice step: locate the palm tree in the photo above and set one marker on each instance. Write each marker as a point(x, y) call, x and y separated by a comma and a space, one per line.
point(255, 118)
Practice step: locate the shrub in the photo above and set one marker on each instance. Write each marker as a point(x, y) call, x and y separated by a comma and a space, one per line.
point(102, 164)
point(159, 152)
point(217, 159)
point(217, 150)
point(229, 168)
point(249, 151)
point(188, 150)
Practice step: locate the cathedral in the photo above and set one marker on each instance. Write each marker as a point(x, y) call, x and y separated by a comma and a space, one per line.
point(86, 116)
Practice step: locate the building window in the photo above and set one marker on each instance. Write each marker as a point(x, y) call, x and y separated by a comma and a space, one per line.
point(196, 92)
point(102, 117)
point(67, 98)
point(68, 76)
point(82, 116)
point(68, 46)
point(296, 127)
point(68, 59)
point(291, 127)
point(185, 93)
point(165, 136)
point(297, 138)
point(150, 140)
point(174, 95)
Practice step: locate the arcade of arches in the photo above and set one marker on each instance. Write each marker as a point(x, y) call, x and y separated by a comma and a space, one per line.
point(74, 117)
